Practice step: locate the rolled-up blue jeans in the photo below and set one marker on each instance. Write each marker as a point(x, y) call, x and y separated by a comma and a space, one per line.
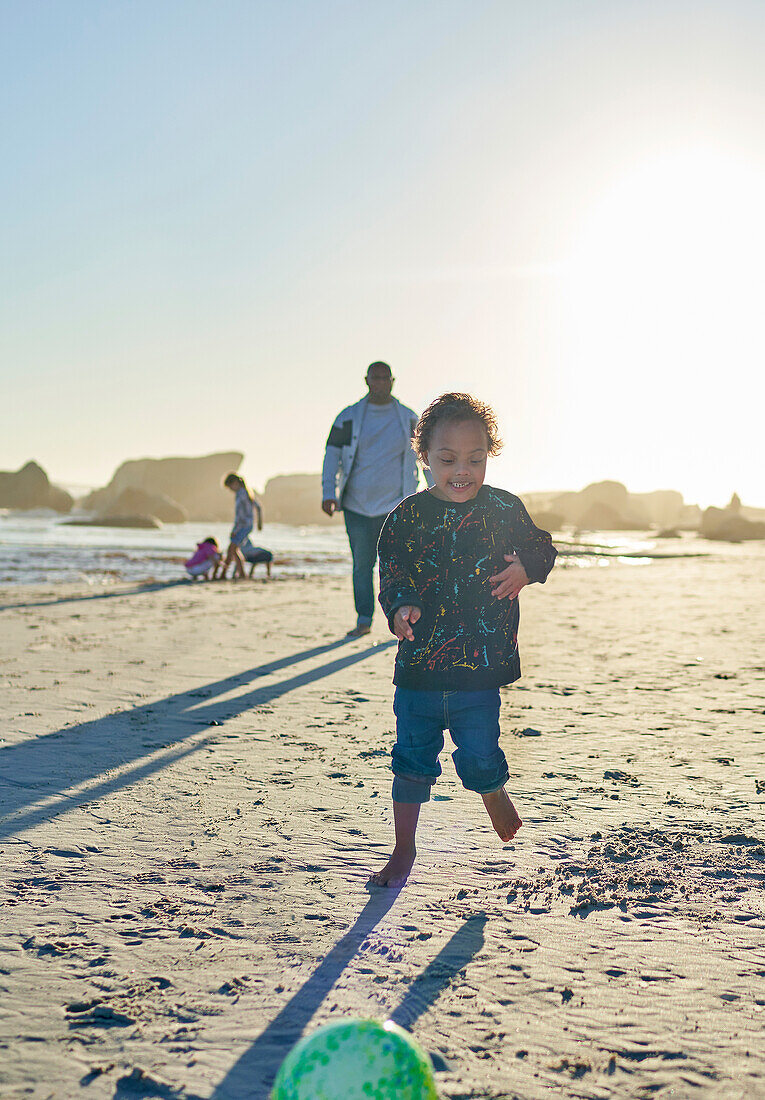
point(363, 533)
point(472, 718)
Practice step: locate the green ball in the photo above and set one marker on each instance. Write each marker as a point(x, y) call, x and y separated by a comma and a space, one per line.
point(356, 1060)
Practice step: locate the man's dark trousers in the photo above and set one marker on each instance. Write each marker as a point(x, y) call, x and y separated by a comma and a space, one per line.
point(363, 533)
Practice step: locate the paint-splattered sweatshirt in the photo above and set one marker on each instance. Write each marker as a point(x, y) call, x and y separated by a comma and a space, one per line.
point(438, 556)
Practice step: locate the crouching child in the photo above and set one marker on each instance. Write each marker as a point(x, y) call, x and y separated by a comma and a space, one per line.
point(205, 559)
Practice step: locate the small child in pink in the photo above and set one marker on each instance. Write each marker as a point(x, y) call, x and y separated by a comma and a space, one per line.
point(205, 557)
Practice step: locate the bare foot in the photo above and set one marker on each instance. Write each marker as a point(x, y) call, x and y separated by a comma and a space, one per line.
point(503, 814)
point(396, 870)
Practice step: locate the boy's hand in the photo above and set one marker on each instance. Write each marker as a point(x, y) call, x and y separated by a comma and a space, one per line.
point(510, 581)
point(404, 620)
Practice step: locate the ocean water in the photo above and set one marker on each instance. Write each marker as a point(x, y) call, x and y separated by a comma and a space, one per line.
point(38, 547)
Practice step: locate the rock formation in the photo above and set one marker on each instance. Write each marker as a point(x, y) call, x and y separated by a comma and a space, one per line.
point(190, 486)
point(600, 516)
point(661, 508)
point(548, 521)
point(29, 488)
point(731, 524)
point(137, 502)
point(295, 499)
point(735, 529)
point(604, 505)
point(608, 506)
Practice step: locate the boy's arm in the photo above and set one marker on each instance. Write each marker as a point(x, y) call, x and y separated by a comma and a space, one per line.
point(532, 545)
point(397, 588)
point(531, 558)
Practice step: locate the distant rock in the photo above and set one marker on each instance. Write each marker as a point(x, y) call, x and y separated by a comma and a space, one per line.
point(737, 529)
point(30, 488)
point(689, 518)
point(661, 508)
point(295, 499)
point(603, 517)
point(609, 506)
point(574, 505)
point(730, 524)
point(612, 493)
point(548, 521)
point(603, 499)
point(137, 502)
point(711, 519)
point(192, 485)
point(59, 500)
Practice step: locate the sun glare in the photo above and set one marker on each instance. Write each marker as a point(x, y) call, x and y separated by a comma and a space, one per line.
point(664, 296)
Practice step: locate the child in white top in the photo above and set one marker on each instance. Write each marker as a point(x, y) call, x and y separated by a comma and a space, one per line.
point(243, 524)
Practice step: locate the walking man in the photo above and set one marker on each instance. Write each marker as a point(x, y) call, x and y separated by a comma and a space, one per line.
point(369, 467)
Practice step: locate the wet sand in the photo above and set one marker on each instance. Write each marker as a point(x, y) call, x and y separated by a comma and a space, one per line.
point(194, 788)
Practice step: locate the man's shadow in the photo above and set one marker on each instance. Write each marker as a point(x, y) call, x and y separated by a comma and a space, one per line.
point(30, 771)
point(143, 588)
point(253, 1074)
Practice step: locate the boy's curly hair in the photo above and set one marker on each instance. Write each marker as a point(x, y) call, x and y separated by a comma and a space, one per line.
point(455, 407)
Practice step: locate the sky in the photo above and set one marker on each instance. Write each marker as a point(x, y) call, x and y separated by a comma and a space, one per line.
point(215, 214)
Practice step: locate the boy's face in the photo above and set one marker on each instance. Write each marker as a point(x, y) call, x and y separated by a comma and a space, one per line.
point(457, 459)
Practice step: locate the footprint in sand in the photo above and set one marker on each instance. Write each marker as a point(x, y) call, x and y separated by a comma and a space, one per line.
point(97, 1015)
point(139, 1083)
point(57, 947)
point(621, 777)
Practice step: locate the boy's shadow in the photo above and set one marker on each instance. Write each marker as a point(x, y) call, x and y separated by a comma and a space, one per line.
point(92, 750)
point(253, 1074)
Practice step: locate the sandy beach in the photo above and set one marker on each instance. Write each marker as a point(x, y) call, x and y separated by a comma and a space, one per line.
point(194, 786)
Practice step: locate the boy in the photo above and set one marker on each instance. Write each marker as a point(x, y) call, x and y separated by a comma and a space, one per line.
point(451, 600)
